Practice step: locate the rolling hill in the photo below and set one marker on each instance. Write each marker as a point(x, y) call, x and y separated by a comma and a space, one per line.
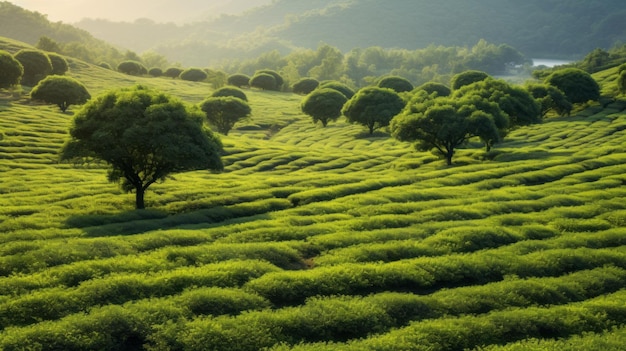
point(316, 238)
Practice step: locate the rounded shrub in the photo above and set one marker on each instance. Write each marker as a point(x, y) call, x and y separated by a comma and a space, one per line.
point(467, 78)
point(239, 80)
point(398, 84)
point(133, 68)
point(434, 87)
point(305, 86)
point(230, 91)
point(59, 63)
point(340, 87)
point(36, 65)
point(577, 85)
point(155, 72)
point(193, 75)
point(173, 72)
point(263, 81)
point(11, 70)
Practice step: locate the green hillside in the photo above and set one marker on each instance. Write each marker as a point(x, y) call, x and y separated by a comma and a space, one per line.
point(316, 238)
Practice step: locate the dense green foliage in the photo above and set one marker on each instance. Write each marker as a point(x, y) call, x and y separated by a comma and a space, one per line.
point(445, 124)
point(36, 65)
point(11, 70)
point(264, 81)
point(61, 91)
point(324, 105)
point(59, 63)
point(433, 87)
point(230, 91)
point(466, 78)
point(132, 67)
point(397, 84)
point(193, 75)
point(143, 136)
point(239, 80)
point(577, 85)
point(551, 98)
point(373, 107)
point(305, 85)
point(224, 111)
point(173, 72)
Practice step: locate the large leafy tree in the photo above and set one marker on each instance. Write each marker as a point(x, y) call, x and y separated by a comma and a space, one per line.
point(36, 65)
point(373, 107)
point(61, 91)
point(550, 98)
point(11, 70)
point(324, 105)
point(224, 111)
point(466, 78)
point(59, 63)
point(577, 84)
point(445, 123)
point(144, 136)
point(520, 106)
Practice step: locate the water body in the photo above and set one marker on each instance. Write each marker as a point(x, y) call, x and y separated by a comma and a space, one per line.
point(549, 62)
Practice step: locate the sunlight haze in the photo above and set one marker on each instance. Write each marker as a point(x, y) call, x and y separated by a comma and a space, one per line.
point(179, 11)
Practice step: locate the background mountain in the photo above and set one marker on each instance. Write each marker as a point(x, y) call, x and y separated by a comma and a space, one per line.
point(537, 28)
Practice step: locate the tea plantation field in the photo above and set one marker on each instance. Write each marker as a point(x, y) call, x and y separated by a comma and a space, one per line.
point(316, 238)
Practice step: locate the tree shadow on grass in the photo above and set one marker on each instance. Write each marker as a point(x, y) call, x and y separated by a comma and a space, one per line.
point(141, 221)
point(378, 134)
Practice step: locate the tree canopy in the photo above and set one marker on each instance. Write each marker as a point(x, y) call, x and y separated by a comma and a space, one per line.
point(61, 91)
point(239, 80)
point(373, 107)
point(445, 123)
point(434, 87)
point(132, 67)
point(224, 111)
point(550, 98)
point(305, 85)
point(576, 84)
point(144, 136)
point(264, 81)
point(324, 105)
point(59, 63)
point(36, 65)
point(340, 87)
point(230, 91)
point(11, 70)
point(398, 84)
point(193, 75)
point(466, 78)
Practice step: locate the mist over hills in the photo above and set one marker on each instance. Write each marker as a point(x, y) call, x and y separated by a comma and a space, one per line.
point(544, 28)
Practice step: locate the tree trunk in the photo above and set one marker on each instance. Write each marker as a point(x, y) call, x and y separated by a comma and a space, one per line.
point(139, 195)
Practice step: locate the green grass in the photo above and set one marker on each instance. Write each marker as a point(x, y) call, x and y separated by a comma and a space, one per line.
point(316, 238)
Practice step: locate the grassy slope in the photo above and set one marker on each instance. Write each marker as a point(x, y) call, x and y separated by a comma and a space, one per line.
point(304, 211)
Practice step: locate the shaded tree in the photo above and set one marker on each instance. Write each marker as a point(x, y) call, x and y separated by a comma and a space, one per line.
point(434, 87)
point(373, 107)
point(340, 87)
point(48, 44)
point(173, 72)
point(155, 72)
point(263, 81)
point(61, 91)
point(305, 86)
point(144, 136)
point(230, 91)
point(193, 75)
point(397, 84)
point(443, 124)
point(11, 70)
point(277, 77)
point(467, 77)
point(105, 65)
point(132, 67)
point(36, 65)
point(550, 98)
point(224, 111)
point(577, 85)
point(521, 108)
point(239, 80)
point(59, 64)
point(324, 105)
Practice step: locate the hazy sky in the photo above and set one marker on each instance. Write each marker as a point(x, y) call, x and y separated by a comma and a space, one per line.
point(71, 11)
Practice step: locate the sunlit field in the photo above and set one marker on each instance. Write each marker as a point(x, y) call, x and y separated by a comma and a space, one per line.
point(316, 238)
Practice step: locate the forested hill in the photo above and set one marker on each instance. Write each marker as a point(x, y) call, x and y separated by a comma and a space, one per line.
point(535, 27)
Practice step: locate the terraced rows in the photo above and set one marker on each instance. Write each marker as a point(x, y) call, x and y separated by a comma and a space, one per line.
point(318, 239)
